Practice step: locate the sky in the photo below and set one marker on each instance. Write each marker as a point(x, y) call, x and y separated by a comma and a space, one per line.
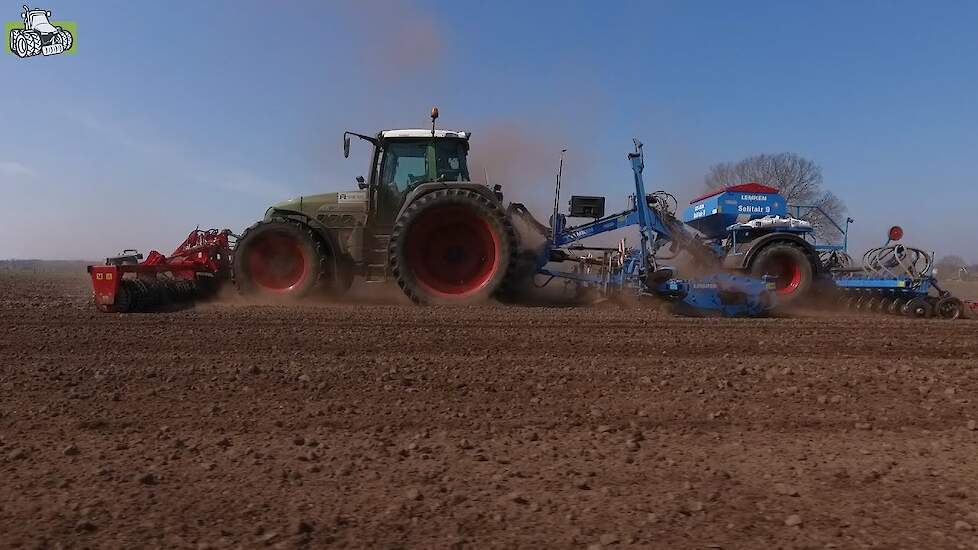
point(176, 114)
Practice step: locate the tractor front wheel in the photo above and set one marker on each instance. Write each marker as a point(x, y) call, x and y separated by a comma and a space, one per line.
point(21, 46)
point(452, 246)
point(789, 267)
point(279, 259)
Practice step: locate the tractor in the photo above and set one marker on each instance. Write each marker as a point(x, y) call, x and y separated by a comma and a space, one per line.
point(39, 36)
point(416, 219)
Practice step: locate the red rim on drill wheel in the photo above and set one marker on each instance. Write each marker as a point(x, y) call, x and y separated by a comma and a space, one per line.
point(786, 272)
point(277, 263)
point(452, 251)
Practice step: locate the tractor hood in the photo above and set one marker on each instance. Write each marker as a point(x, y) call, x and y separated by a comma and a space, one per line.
point(45, 28)
point(315, 205)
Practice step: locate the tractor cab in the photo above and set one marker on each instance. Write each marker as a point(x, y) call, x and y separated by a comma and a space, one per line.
point(402, 161)
point(37, 20)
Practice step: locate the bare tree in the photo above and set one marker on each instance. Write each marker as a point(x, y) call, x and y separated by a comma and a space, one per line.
point(797, 178)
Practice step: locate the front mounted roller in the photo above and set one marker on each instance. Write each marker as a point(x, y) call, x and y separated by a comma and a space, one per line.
point(278, 259)
point(452, 246)
point(194, 270)
point(789, 266)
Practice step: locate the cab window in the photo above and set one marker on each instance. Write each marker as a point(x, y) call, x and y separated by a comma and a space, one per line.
point(450, 161)
point(405, 165)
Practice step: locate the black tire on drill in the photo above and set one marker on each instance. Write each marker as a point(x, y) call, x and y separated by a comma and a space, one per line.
point(279, 259)
point(452, 246)
point(791, 267)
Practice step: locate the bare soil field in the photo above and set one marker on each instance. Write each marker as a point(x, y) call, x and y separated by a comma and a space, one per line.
point(379, 425)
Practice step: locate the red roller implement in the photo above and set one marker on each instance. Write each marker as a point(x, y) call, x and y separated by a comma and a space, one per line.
point(202, 253)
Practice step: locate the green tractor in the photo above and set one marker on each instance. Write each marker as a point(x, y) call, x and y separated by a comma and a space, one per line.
point(417, 219)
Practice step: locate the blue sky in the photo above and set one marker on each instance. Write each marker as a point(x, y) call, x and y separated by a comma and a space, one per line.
point(174, 114)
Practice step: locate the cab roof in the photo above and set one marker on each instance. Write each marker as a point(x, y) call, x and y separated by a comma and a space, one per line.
point(423, 133)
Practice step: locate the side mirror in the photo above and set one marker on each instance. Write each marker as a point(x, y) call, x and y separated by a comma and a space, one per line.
point(48, 13)
point(360, 181)
point(346, 148)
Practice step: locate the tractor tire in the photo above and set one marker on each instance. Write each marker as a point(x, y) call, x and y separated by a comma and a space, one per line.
point(279, 259)
point(452, 246)
point(65, 39)
point(33, 43)
point(22, 46)
point(519, 283)
point(14, 34)
point(789, 265)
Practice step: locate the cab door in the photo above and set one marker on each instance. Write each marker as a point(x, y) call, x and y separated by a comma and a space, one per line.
point(405, 164)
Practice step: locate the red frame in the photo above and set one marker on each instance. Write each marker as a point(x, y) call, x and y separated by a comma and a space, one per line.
point(753, 188)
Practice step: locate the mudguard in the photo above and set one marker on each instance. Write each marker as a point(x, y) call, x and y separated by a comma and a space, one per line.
point(741, 258)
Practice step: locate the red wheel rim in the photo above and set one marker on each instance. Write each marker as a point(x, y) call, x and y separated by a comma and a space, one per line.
point(277, 262)
point(452, 251)
point(786, 273)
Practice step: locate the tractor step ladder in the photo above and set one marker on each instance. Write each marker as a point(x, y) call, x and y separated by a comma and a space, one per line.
point(376, 260)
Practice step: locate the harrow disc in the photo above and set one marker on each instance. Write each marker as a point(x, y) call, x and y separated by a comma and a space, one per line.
point(949, 308)
point(918, 308)
point(896, 306)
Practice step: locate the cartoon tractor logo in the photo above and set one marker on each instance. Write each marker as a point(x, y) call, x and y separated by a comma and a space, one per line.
point(39, 36)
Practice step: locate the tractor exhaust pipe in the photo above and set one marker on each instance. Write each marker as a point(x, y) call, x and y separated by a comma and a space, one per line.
point(553, 219)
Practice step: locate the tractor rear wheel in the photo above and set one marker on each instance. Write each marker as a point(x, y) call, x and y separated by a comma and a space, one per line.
point(279, 259)
point(789, 266)
point(452, 246)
